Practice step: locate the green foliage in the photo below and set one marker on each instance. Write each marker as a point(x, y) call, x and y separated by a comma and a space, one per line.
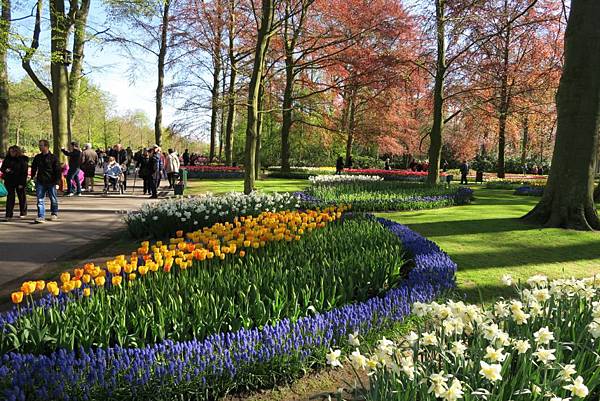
point(327, 268)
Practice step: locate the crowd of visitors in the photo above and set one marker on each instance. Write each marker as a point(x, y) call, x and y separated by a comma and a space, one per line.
point(117, 164)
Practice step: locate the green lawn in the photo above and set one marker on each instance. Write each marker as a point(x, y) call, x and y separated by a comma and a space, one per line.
point(487, 240)
point(223, 186)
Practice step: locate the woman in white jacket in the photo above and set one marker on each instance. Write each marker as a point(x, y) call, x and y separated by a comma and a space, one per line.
point(172, 167)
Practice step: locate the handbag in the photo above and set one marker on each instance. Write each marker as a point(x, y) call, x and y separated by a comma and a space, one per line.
point(3, 191)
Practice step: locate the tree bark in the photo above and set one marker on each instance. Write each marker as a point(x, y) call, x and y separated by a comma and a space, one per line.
point(597, 194)
point(222, 108)
point(568, 197)
point(350, 125)
point(525, 141)
point(262, 43)
point(287, 113)
point(162, 55)
point(60, 75)
point(5, 23)
point(231, 98)
point(435, 136)
point(504, 100)
point(216, 85)
point(259, 129)
point(79, 40)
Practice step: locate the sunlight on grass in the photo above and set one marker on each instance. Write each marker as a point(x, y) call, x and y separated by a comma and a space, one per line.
point(487, 240)
point(196, 187)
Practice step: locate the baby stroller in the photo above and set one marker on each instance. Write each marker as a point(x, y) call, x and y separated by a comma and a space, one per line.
point(114, 178)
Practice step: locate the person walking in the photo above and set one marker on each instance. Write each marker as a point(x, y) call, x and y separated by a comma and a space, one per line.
point(186, 158)
point(142, 165)
point(154, 172)
point(46, 171)
point(74, 155)
point(172, 167)
point(464, 172)
point(339, 165)
point(387, 165)
point(14, 173)
point(89, 160)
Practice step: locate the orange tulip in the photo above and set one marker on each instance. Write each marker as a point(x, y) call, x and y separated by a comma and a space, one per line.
point(17, 297)
point(40, 285)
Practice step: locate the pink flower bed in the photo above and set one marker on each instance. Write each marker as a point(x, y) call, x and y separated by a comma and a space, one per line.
point(393, 173)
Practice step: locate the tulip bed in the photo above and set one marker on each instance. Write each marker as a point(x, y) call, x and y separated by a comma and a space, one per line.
point(311, 293)
point(213, 172)
point(544, 345)
point(164, 218)
point(377, 195)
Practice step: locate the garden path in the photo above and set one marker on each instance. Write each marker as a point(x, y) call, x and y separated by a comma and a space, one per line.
point(26, 249)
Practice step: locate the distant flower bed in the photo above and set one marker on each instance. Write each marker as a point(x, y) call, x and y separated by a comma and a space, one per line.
point(339, 179)
point(301, 323)
point(530, 190)
point(164, 218)
point(299, 172)
point(514, 183)
point(544, 345)
point(213, 172)
point(377, 195)
point(403, 175)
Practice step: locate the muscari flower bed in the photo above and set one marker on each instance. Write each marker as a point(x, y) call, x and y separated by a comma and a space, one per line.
point(376, 195)
point(227, 360)
point(530, 190)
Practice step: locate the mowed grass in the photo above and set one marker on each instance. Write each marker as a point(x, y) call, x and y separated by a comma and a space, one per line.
point(200, 186)
point(487, 240)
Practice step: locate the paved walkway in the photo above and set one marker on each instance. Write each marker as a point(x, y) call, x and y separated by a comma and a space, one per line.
point(25, 248)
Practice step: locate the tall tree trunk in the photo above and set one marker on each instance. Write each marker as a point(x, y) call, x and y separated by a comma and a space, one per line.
point(504, 101)
point(350, 126)
point(262, 43)
point(525, 141)
point(59, 75)
point(435, 136)
point(223, 109)
point(287, 113)
point(259, 129)
point(79, 40)
point(568, 197)
point(162, 55)
point(4, 87)
point(216, 86)
point(597, 194)
point(231, 98)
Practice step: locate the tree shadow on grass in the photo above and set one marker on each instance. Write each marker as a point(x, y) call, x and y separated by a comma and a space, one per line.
point(484, 294)
point(514, 256)
point(469, 227)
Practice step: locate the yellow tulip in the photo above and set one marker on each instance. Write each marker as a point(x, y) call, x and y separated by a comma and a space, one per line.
point(87, 292)
point(100, 281)
point(116, 280)
point(132, 276)
point(64, 277)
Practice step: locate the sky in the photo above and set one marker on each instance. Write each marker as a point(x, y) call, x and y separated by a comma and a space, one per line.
point(107, 66)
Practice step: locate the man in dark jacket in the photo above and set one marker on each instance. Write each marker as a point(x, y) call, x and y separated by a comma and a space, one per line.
point(14, 174)
point(464, 172)
point(154, 171)
point(46, 171)
point(74, 155)
point(89, 161)
point(186, 158)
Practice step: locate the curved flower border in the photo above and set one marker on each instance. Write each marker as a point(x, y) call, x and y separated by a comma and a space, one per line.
point(226, 357)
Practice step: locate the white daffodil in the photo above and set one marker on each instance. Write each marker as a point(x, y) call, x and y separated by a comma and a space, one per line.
point(543, 336)
point(567, 372)
point(458, 348)
point(577, 388)
point(594, 329)
point(438, 384)
point(501, 309)
point(353, 339)
point(507, 279)
point(522, 346)
point(494, 354)
point(429, 338)
point(454, 392)
point(490, 372)
point(545, 355)
point(411, 338)
point(520, 317)
point(358, 360)
point(333, 358)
